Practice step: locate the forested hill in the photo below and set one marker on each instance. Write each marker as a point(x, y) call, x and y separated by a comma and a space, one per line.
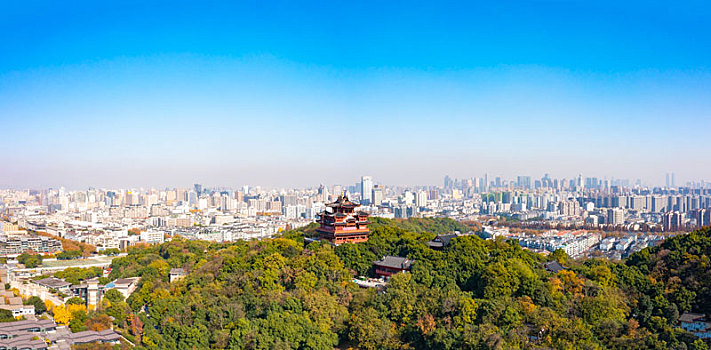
point(475, 294)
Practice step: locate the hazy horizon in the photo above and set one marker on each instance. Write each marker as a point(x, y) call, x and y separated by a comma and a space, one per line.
point(293, 95)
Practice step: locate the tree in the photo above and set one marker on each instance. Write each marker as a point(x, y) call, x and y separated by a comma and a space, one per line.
point(560, 256)
point(30, 260)
point(113, 296)
point(75, 301)
point(110, 251)
point(40, 308)
point(69, 254)
point(62, 315)
point(370, 331)
point(98, 322)
point(77, 323)
point(6, 316)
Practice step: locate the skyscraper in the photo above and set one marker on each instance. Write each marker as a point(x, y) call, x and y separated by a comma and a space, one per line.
point(421, 198)
point(378, 195)
point(366, 188)
point(523, 182)
point(448, 182)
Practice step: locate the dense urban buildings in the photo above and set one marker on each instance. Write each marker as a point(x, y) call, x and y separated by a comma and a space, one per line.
point(120, 218)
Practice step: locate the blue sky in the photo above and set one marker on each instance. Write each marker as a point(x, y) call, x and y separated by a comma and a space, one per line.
point(295, 94)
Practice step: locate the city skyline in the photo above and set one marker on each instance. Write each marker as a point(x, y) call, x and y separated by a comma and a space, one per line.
point(152, 95)
point(488, 180)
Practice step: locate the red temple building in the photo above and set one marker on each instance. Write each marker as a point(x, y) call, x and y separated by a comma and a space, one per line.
point(340, 223)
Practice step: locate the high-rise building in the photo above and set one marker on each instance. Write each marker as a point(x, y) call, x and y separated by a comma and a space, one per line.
point(448, 183)
point(616, 216)
point(569, 208)
point(672, 221)
point(421, 198)
point(703, 217)
point(523, 182)
point(366, 189)
point(378, 195)
point(198, 189)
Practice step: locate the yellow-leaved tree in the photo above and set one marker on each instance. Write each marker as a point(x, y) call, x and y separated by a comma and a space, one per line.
point(64, 314)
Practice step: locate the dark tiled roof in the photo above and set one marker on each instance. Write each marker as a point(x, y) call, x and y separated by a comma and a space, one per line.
point(442, 240)
point(395, 262)
point(554, 267)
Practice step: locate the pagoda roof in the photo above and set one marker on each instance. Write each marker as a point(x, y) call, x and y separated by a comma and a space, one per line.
point(343, 201)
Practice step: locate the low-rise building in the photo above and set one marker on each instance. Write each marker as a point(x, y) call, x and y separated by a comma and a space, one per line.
point(176, 274)
point(391, 265)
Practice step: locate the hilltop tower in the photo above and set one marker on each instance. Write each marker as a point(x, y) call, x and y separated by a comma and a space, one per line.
point(340, 223)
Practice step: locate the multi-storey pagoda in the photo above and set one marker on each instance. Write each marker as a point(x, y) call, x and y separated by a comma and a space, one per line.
point(340, 223)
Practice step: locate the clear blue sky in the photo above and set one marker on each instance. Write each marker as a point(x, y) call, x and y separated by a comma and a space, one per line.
point(299, 93)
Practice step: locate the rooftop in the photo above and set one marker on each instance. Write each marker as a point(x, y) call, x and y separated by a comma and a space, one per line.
point(689, 317)
point(395, 262)
point(52, 282)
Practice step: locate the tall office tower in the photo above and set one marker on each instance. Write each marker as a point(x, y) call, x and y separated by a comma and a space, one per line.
point(523, 182)
point(366, 190)
point(378, 195)
point(673, 182)
point(616, 216)
point(668, 181)
point(579, 184)
point(448, 183)
point(198, 189)
point(192, 198)
point(421, 198)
